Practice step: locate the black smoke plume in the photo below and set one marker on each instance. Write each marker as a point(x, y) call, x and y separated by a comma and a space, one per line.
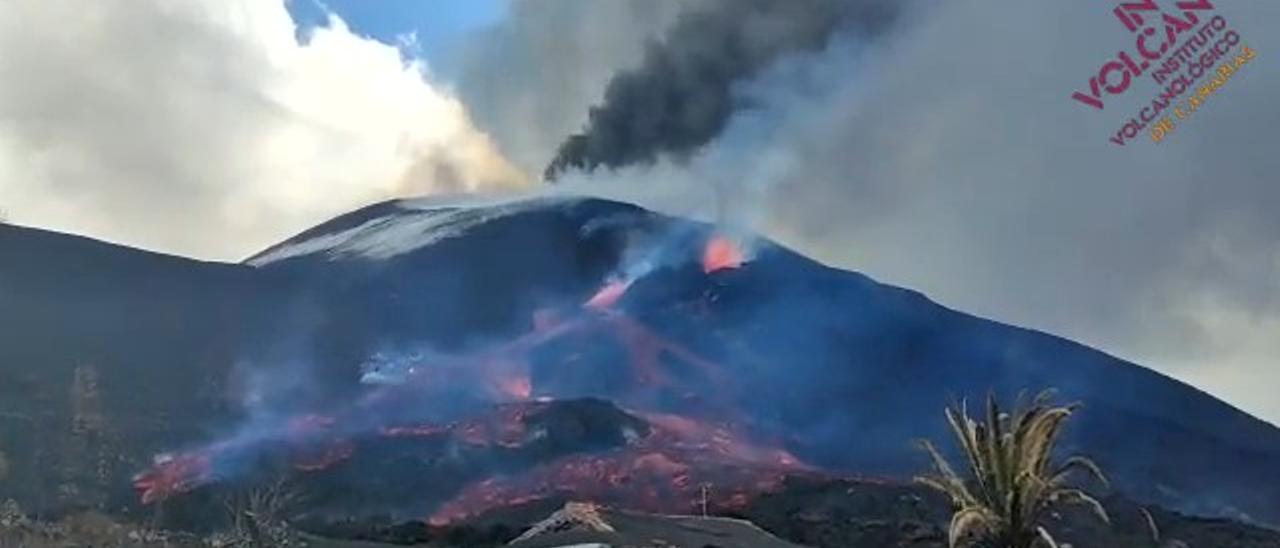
point(681, 96)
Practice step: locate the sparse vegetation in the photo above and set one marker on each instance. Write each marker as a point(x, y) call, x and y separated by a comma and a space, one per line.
point(83, 529)
point(1011, 481)
point(259, 515)
point(1155, 532)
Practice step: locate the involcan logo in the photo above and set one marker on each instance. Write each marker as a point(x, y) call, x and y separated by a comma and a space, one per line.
point(1179, 45)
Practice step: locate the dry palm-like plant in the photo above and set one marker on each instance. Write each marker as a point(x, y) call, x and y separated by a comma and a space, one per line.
point(1155, 532)
point(1011, 482)
point(258, 514)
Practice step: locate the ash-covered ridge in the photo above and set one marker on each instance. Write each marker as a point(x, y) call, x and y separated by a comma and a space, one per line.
point(396, 227)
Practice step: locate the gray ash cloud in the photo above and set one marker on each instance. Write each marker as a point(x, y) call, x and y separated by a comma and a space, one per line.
point(681, 96)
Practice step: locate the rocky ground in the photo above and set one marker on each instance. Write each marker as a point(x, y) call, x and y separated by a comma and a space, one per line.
point(873, 514)
point(823, 514)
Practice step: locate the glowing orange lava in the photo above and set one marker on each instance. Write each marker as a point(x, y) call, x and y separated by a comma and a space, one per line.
point(661, 472)
point(517, 387)
point(721, 253)
point(608, 295)
point(171, 475)
point(695, 443)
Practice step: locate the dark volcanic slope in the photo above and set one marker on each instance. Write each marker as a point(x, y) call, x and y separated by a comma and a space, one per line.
point(107, 352)
point(111, 355)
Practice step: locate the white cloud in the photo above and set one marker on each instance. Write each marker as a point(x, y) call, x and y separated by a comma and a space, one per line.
point(206, 128)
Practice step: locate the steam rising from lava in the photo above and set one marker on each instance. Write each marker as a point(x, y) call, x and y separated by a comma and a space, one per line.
point(430, 395)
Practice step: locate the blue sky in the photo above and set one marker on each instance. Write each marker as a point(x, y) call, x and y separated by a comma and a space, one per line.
point(439, 24)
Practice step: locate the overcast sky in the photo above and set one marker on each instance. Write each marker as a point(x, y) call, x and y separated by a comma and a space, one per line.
point(949, 159)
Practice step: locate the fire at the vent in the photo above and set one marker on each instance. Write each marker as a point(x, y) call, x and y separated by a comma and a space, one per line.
point(671, 431)
point(721, 253)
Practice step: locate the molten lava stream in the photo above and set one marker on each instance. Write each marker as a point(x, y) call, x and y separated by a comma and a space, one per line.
point(664, 471)
point(608, 295)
